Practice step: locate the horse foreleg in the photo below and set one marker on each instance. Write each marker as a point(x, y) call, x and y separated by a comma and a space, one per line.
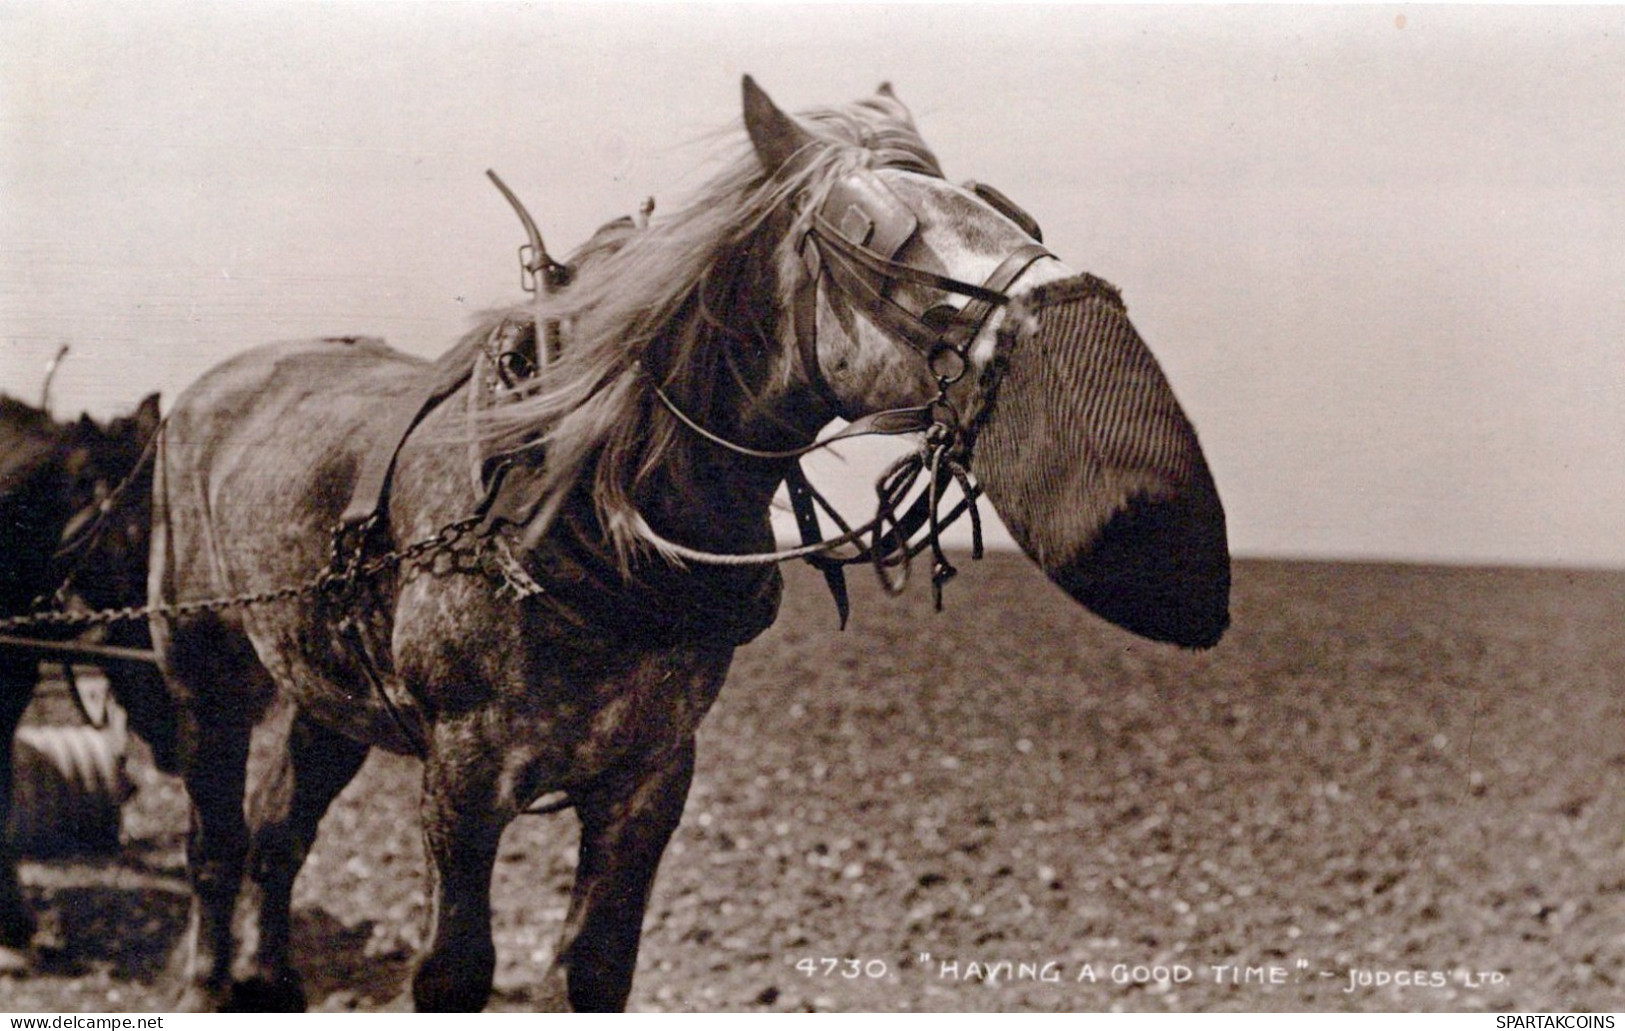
point(461, 829)
point(215, 849)
point(144, 695)
point(287, 806)
point(624, 831)
point(16, 923)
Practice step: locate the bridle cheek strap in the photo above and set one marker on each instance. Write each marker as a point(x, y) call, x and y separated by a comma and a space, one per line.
point(806, 330)
point(976, 311)
point(865, 276)
point(855, 238)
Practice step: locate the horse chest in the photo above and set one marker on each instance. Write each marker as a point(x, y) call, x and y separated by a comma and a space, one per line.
point(562, 700)
point(650, 708)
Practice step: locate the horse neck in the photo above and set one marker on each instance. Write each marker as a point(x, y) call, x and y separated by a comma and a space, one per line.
point(712, 495)
point(716, 500)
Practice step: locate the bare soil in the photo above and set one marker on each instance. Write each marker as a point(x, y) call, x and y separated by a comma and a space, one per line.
point(1389, 788)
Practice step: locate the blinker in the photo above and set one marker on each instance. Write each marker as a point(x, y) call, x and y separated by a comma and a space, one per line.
point(857, 226)
point(869, 214)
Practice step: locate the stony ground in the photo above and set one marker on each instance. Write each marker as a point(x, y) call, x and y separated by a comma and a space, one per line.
point(1389, 788)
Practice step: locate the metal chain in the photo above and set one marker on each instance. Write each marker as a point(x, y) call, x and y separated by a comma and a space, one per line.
point(448, 540)
point(348, 568)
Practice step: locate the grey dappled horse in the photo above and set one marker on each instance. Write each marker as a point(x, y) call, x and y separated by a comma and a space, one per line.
point(828, 271)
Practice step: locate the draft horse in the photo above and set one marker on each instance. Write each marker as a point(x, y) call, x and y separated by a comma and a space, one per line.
point(550, 557)
point(54, 478)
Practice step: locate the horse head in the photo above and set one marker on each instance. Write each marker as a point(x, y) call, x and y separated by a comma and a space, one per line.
point(117, 536)
point(104, 459)
point(36, 498)
point(89, 530)
point(832, 271)
point(914, 293)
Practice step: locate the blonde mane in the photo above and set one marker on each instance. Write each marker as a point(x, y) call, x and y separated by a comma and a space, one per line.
point(651, 297)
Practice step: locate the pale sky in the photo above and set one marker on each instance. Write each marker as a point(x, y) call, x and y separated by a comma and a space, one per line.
point(1379, 250)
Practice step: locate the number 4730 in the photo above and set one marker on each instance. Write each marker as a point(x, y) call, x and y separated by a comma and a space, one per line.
point(851, 969)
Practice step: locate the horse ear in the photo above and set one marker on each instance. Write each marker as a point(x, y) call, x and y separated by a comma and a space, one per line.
point(775, 135)
point(894, 106)
point(84, 435)
point(147, 416)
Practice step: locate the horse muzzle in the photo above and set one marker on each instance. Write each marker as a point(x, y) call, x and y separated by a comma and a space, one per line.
point(1096, 471)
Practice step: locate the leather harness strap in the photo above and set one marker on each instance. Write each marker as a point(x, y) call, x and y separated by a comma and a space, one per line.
point(804, 501)
point(369, 498)
point(855, 237)
point(867, 276)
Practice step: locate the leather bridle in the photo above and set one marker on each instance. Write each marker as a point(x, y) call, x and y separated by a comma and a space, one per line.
point(851, 244)
point(854, 237)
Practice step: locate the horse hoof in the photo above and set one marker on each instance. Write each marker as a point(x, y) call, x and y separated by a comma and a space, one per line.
point(201, 999)
point(261, 995)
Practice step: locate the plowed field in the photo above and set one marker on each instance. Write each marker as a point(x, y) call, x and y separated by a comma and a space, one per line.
point(1389, 788)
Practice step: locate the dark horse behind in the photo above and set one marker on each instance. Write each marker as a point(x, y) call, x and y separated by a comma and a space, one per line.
point(58, 533)
point(552, 551)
